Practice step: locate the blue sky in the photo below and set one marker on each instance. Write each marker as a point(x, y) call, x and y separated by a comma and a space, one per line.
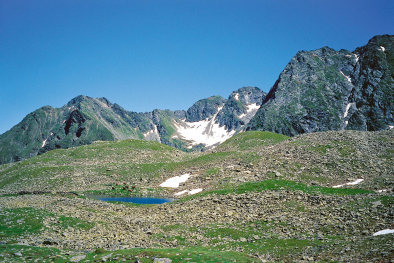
point(165, 54)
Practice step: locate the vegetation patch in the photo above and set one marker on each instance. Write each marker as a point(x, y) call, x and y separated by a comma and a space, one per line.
point(20, 221)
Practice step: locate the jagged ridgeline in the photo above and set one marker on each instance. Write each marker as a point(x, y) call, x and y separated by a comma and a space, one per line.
point(84, 120)
point(327, 89)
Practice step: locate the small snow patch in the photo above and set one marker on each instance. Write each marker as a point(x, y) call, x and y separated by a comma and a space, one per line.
point(43, 143)
point(347, 109)
point(191, 192)
point(356, 57)
point(384, 232)
point(195, 191)
point(347, 77)
point(252, 107)
point(391, 127)
point(174, 182)
point(236, 96)
point(381, 191)
point(382, 48)
point(351, 183)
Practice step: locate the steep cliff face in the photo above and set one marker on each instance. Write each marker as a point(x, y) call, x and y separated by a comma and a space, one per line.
point(326, 89)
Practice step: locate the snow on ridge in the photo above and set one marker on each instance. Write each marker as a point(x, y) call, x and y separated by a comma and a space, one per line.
point(347, 109)
point(351, 183)
point(347, 77)
point(174, 182)
point(356, 57)
point(236, 96)
point(384, 232)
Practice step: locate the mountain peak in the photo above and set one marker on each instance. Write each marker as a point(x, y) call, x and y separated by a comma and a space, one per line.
point(77, 100)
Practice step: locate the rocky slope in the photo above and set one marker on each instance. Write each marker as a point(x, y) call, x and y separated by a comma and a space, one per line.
point(84, 120)
point(326, 89)
point(266, 195)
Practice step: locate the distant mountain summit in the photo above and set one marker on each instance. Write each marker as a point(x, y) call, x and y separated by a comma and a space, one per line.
point(326, 89)
point(84, 120)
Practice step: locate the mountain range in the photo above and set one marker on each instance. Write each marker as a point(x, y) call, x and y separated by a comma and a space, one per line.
point(84, 120)
point(318, 90)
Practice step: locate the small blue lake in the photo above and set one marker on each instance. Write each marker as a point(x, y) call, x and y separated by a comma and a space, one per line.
point(135, 200)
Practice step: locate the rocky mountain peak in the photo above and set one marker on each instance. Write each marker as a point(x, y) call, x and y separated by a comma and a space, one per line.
point(204, 108)
point(248, 95)
point(326, 89)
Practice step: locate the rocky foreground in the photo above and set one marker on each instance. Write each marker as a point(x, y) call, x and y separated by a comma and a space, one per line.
point(315, 226)
point(266, 197)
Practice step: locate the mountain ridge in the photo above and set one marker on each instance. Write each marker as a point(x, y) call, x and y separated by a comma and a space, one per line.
point(84, 120)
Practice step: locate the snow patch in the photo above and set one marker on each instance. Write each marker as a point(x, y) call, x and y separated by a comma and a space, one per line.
point(149, 132)
point(384, 232)
point(236, 96)
point(347, 77)
point(191, 192)
point(43, 143)
point(391, 127)
point(252, 107)
point(351, 183)
point(174, 182)
point(381, 191)
point(195, 191)
point(347, 109)
point(206, 131)
point(382, 48)
point(356, 57)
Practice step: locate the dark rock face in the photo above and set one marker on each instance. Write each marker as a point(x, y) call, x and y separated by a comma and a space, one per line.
point(236, 106)
point(204, 108)
point(326, 89)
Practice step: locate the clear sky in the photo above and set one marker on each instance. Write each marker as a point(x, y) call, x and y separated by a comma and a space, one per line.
point(164, 54)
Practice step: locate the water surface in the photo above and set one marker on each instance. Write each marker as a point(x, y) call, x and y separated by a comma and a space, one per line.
point(135, 200)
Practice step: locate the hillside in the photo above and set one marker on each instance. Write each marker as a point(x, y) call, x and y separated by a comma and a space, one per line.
point(265, 197)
